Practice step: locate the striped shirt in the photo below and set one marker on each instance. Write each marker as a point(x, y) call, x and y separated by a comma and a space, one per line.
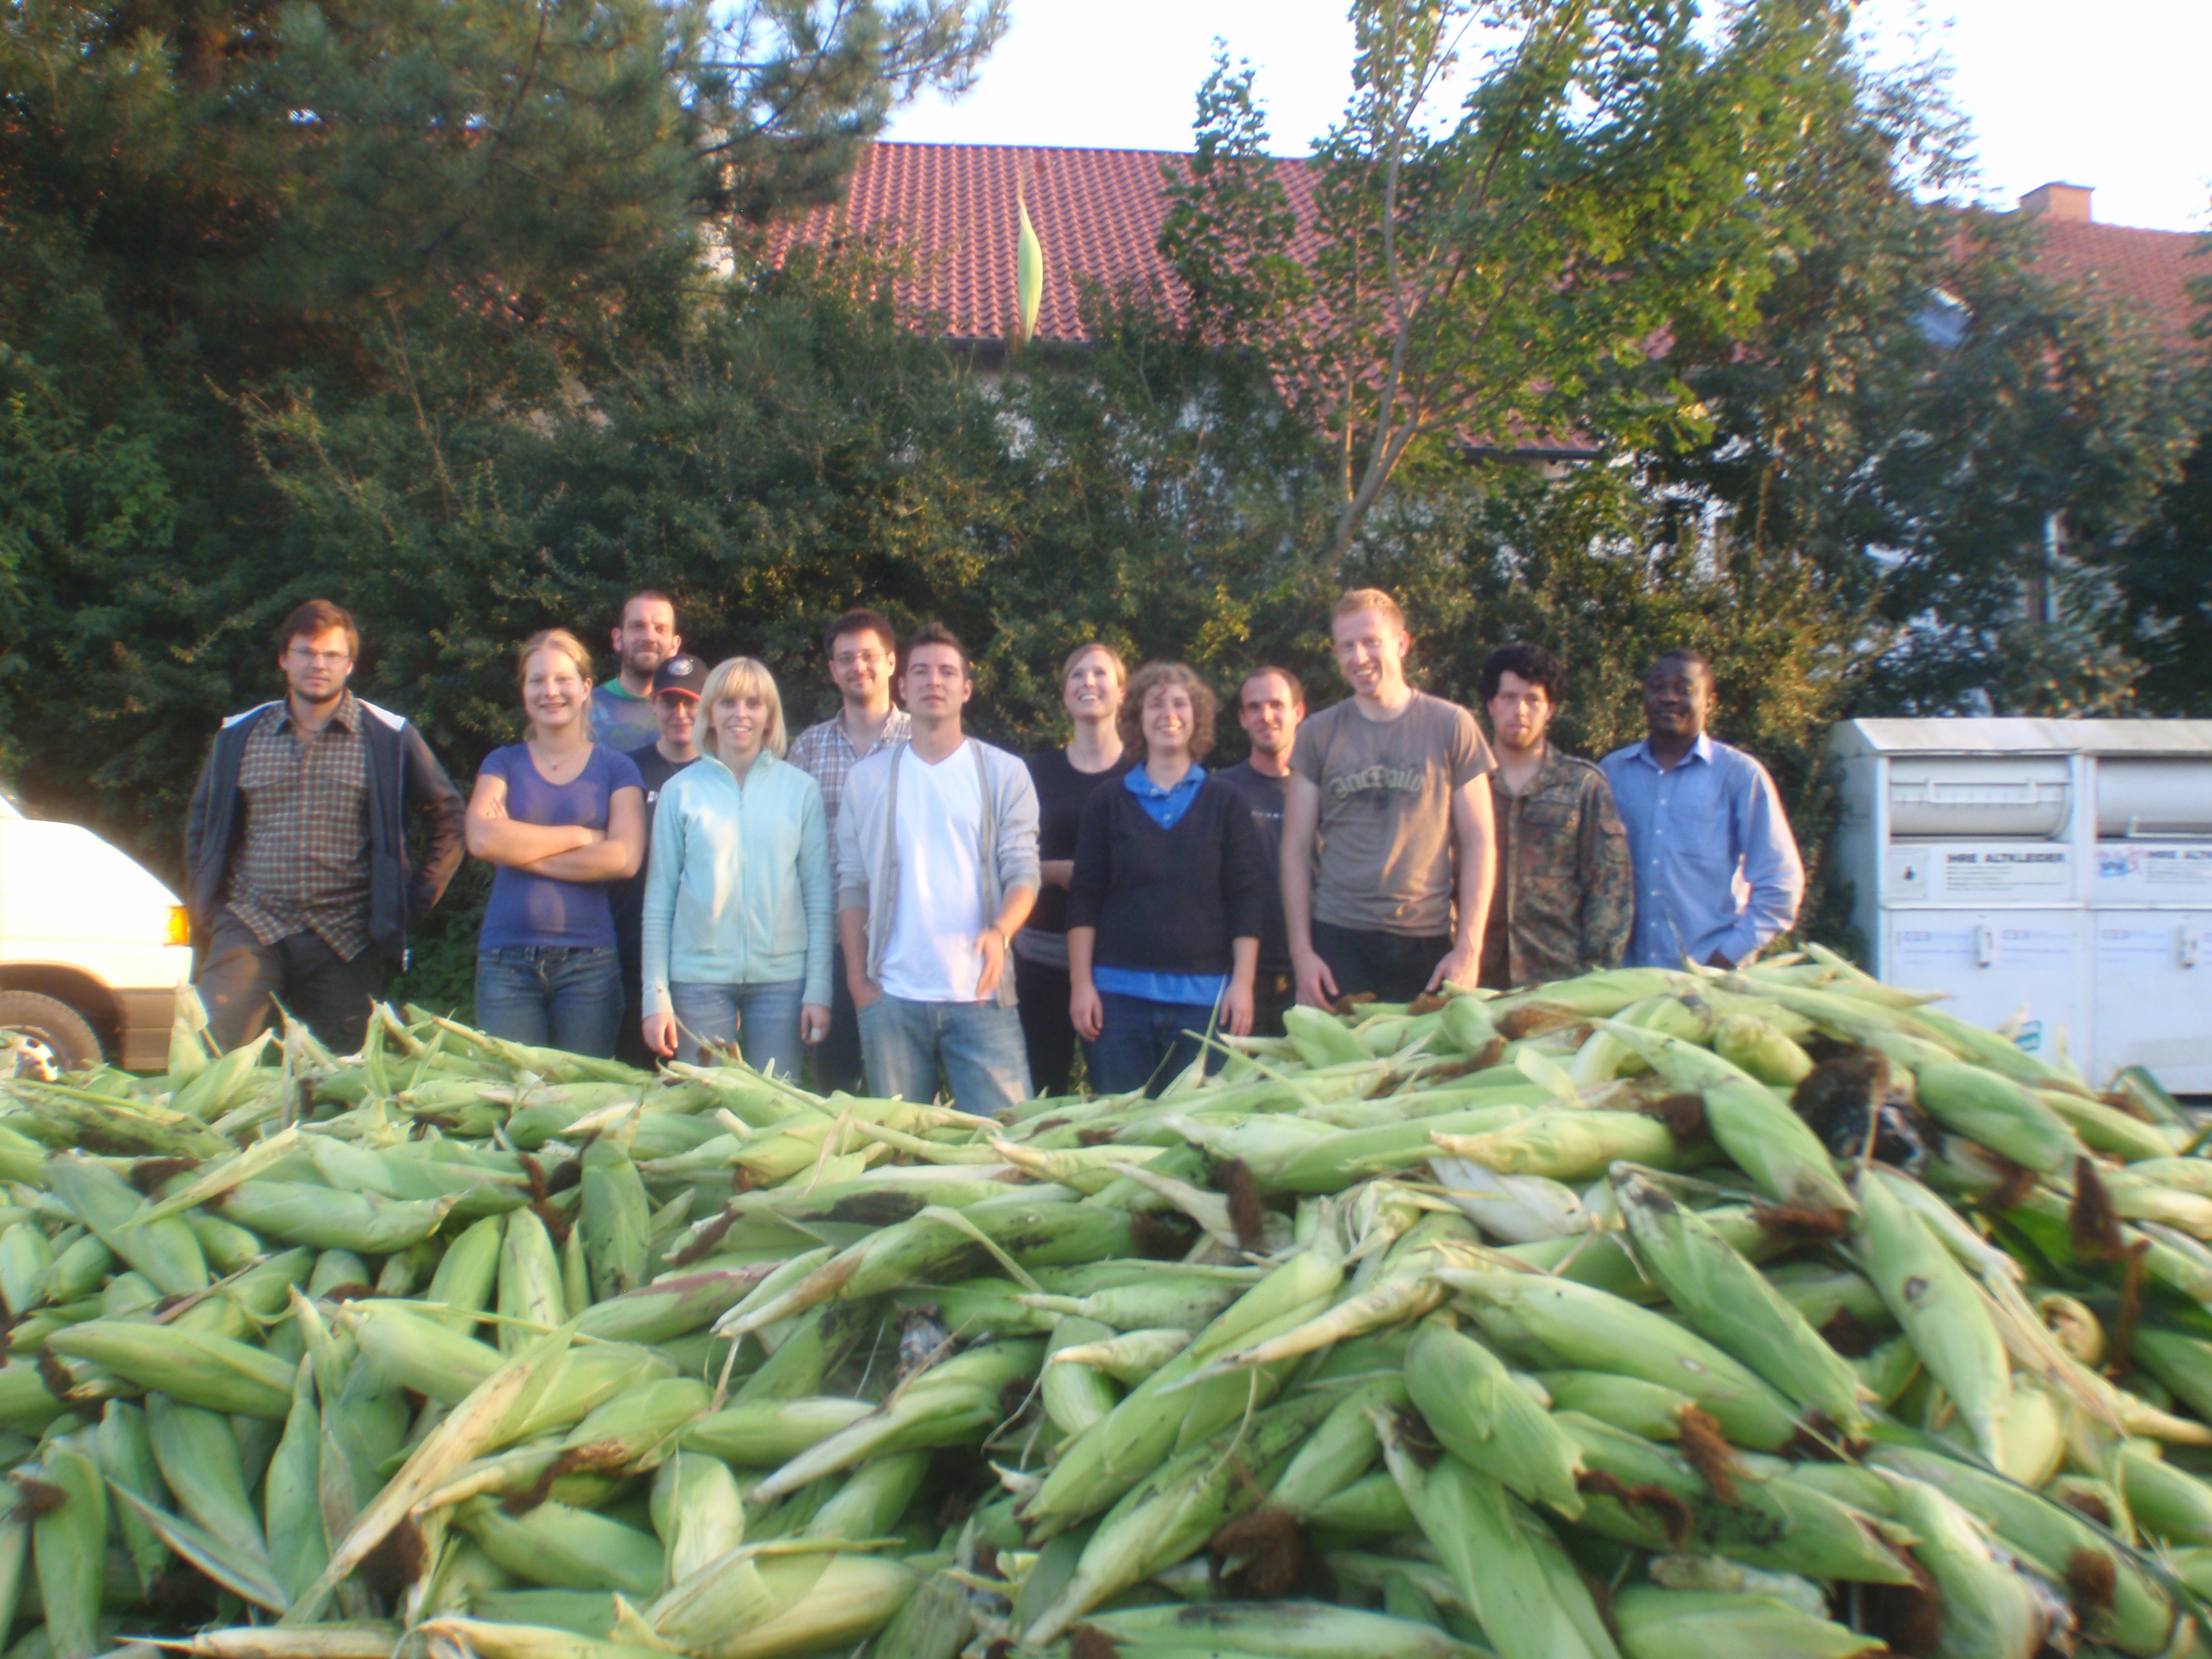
point(302, 860)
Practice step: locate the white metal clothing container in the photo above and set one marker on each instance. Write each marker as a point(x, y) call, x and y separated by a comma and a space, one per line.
point(2060, 867)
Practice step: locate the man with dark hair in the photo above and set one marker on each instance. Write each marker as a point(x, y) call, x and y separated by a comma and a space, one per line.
point(863, 653)
point(937, 868)
point(1718, 874)
point(622, 708)
point(1269, 706)
point(675, 685)
point(1565, 891)
point(296, 860)
point(1387, 856)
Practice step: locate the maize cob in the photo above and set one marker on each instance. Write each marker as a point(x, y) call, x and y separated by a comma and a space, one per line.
point(1129, 1358)
point(298, 1548)
point(1287, 1630)
point(2136, 1617)
point(698, 1512)
point(532, 1299)
point(125, 1453)
point(165, 1251)
point(328, 1219)
point(1765, 1138)
point(1628, 1403)
point(1597, 1332)
point(1989, 1609)
point(68, 1543)
point(1509, 1569)
point(2167, 1504)
point(1075, 1395)
point(1488, 1421)
point(1165, 1516)
point(1937, 1305)
point(616, 1219)
point(1097, 1466)
point(1665, 1624)
point(1780, 1520)
point(1567, 1144)
point(467, 1276)
point(194, 1366)
point(566, 1548)
point(942, 1407)
point(1726, 1300)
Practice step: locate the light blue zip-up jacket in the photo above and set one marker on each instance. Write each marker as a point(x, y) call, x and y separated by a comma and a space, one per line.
point(738, 892)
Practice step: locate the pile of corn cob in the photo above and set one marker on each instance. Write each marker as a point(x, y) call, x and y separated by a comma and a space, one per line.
point(1676, 1315)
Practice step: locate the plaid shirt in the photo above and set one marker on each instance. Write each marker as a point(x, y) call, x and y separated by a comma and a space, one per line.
point(302, 859)
point(826, 753)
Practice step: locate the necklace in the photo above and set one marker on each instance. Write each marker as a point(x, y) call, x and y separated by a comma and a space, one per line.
point(553, 765)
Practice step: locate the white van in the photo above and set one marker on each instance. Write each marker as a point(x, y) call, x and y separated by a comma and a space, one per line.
point(92, 946)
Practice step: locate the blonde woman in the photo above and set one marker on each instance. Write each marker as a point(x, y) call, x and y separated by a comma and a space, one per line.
point(1091, 682)
point(562, 819)
point(737, 902)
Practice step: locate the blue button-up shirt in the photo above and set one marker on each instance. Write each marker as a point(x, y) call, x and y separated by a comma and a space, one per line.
point(1717, 868)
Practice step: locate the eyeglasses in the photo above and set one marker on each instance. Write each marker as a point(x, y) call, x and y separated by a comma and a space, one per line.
point(300, 654)
point(858, 659)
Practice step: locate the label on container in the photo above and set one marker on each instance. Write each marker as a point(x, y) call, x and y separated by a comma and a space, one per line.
point(2182, 872)
point(2008, 872)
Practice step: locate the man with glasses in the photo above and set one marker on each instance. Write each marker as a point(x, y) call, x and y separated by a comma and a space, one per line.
point(296, 857)
point(863, 654)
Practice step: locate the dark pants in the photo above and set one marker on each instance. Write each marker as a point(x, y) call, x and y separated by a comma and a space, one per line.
point(629, 1040)
point(1047, 1032)
point(1388, 966)
point(558, 996)
point(1143, 1044)
point(313, 981)
point(836, 1060)
point(1272, 992)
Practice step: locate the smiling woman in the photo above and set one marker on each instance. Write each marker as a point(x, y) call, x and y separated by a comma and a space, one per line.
point(1164, 907)
point(737, 904)
point(562, 819)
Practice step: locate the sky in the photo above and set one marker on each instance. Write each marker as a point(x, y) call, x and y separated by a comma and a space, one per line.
point(2111, 96)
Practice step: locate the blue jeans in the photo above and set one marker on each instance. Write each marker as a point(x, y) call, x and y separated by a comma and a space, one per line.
point(761, 1019)
point(1143, 1044)
point(559, 996)
point(978, 1044)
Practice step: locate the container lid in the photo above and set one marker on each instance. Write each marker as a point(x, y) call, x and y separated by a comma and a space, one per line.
point(2179, 739)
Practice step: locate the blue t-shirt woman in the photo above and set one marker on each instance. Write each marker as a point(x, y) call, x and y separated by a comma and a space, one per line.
point(562, 819)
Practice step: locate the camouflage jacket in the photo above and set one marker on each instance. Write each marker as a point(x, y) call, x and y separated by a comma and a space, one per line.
point(1567, 885)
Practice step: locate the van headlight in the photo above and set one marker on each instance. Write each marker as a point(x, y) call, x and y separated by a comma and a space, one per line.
point(179, 930)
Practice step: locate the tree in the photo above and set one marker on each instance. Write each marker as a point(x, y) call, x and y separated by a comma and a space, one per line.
point(1511, 269)
point(420, 236)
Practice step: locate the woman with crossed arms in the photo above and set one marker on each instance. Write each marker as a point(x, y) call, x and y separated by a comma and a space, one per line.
point(562, 817)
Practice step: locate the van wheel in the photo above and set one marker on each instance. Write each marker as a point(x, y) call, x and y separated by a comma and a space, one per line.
point(40, 1037)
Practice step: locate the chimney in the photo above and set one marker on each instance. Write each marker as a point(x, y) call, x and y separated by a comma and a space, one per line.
point(2057, 201)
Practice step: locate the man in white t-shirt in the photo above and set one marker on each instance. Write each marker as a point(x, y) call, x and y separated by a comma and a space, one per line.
point(937, 869)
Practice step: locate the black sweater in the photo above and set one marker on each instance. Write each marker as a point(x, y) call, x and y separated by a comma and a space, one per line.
point(1167, 901)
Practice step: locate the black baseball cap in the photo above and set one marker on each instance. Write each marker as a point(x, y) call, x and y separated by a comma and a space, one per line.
point(680, 673)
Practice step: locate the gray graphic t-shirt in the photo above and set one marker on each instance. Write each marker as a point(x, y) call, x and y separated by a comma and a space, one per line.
point(1384, 864)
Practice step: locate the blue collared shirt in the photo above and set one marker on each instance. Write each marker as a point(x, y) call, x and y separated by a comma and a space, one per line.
point(1717, 868)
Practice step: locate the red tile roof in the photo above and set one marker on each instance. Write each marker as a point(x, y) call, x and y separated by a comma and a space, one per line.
point(2149, 271)
point(1097, 214)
